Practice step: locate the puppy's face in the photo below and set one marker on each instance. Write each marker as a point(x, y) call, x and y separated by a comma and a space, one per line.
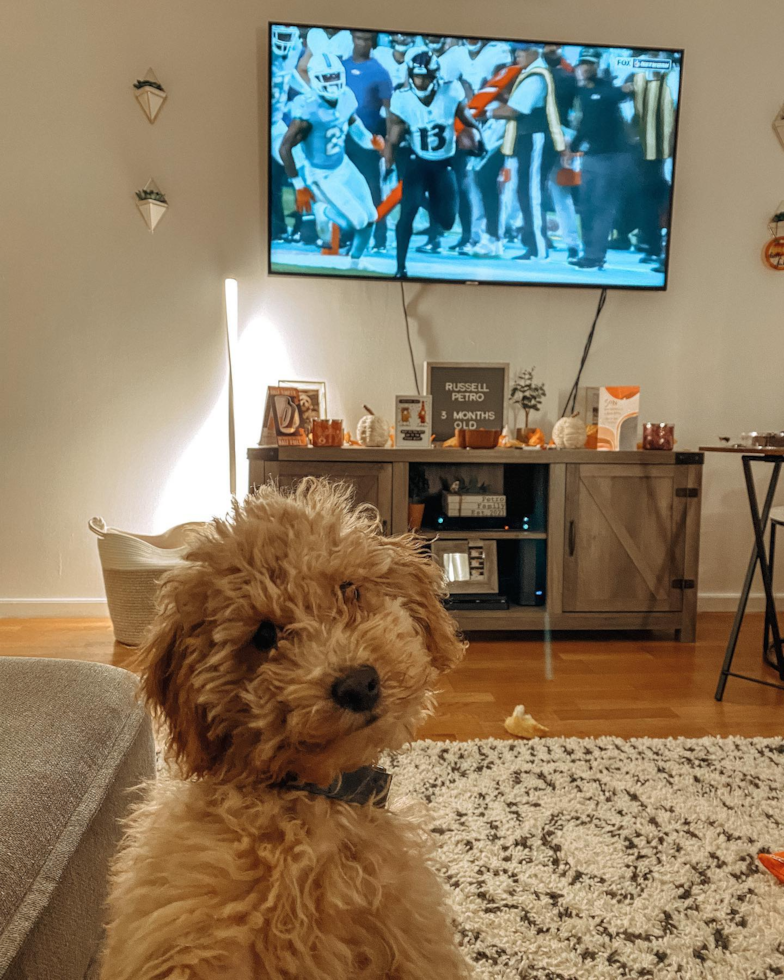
point(296, 639)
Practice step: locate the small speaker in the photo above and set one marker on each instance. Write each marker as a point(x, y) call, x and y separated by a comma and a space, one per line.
point(531, 572)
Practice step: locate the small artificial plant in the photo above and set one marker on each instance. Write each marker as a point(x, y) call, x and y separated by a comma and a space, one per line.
point(527, 394)
point(418, 484)
point(147, 83)
point(151, 195)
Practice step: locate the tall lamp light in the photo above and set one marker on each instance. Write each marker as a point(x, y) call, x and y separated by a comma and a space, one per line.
point(231, 293)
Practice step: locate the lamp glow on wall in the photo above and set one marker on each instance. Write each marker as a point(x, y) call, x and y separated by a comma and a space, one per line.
point(231, 297)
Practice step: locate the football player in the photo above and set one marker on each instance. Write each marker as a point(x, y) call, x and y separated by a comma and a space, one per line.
point(393, 58)
point(286, 47)
point(285, 54)
point(319, 40)
point(425, 112)
point(319, 123)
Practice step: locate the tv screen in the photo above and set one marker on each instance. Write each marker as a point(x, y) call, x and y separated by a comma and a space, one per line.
point(470, 159)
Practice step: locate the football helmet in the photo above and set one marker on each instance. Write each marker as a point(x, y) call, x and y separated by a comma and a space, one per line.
point(421, 62)
point(435, 43)
point(401, 42)
point(327, 76)
point(283, 39)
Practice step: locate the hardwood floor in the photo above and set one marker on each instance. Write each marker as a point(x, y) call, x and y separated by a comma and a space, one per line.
point(603, 684)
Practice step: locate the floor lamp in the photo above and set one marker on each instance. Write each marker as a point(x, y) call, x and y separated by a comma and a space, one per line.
point(231, 292)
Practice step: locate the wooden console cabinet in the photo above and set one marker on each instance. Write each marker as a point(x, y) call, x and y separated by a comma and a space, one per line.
point(621, 529)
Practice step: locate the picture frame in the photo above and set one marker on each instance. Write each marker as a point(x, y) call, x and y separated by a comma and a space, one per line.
point(468, 395)
point(413, 421)
point(470, 564)
point(283, 423)
point(312, 399)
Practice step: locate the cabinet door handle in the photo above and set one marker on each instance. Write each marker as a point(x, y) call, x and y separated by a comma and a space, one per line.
point(572, 539)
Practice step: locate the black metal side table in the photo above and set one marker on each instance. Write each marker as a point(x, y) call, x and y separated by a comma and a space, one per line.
point(775, 459)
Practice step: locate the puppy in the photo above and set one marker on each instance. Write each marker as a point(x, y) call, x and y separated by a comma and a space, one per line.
point(293, 646)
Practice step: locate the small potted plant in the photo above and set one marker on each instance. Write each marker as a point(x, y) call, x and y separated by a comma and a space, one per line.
point(152, 204)
point(527, 394)
point(418, 491)
point(150, 94)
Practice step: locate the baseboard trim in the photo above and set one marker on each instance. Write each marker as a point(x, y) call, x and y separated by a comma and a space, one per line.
point(33, 608)
point(38, 608)
point(728, 601)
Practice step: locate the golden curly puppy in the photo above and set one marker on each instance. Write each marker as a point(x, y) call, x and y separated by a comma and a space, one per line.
point(294, 645)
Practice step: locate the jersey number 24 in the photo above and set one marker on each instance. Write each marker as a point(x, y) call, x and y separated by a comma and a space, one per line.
point(335, 138)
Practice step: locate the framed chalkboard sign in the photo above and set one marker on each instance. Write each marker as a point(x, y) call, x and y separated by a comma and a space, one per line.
point(466, 396)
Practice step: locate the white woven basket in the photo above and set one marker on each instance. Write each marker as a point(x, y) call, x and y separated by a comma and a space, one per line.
point(132, 564)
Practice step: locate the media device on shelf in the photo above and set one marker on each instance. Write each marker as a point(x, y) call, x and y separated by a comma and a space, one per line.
point(469, 159)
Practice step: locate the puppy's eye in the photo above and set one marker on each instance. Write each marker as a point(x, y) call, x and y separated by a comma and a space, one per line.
point(265, 637)
point(350, 592)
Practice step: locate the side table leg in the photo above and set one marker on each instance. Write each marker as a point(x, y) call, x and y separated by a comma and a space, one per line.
point(744, 595)
point(760, 523)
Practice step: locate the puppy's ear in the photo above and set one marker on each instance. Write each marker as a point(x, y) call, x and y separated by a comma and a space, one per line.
point(167, 684)
point(419, 581)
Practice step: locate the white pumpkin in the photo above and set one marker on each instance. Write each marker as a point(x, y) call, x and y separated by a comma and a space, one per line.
point(373, 431)
point(570, 432)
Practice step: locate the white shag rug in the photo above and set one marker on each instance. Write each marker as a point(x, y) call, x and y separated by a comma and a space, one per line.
point(578, 859)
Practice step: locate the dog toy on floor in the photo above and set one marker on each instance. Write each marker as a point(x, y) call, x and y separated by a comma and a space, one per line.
point(523, 725)
point(293, 645)
point(773, 863)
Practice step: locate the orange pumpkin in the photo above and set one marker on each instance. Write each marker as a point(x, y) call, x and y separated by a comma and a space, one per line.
point(773, 254)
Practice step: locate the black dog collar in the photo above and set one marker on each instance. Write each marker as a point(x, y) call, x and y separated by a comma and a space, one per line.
point(370, 784)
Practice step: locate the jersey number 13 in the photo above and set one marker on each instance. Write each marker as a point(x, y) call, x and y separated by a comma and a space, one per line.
point(432, 138)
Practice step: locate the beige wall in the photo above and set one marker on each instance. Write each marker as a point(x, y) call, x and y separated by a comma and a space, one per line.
point(112, 374)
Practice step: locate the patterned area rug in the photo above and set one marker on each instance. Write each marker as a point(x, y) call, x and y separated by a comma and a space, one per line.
point(604, 859)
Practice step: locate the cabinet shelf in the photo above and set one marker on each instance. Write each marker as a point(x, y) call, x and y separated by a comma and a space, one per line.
point(495, 534)
point(513, 618)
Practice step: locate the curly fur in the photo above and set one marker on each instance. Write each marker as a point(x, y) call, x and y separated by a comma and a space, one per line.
point(222, 873)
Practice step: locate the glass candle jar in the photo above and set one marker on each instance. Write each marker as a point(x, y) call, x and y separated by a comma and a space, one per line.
point(658, 435)
point(327, 433)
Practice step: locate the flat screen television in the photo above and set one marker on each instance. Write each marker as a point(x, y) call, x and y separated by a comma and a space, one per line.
point(470, 159)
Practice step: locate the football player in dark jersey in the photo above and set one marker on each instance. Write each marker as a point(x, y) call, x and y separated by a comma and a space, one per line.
point(425, 113)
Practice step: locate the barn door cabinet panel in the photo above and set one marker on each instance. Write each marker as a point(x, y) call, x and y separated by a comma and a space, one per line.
point(372, 481)
point(624, 538)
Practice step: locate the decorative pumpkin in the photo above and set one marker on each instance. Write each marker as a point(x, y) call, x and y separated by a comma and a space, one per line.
point(372, 430)
point(570, 432)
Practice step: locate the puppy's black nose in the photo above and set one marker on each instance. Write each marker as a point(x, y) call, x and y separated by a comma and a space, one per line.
point(358, 690)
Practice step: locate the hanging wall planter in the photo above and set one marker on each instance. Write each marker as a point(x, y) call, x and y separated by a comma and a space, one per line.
point(150, 94)
point(152, 204)
point(773, 253)
point(778, 125)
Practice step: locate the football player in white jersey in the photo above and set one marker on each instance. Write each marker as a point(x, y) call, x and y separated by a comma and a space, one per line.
point(425, 112)
point(319, 123)
point(475, 61)
point(338, 43)
point(286, 47)
point(393, 58)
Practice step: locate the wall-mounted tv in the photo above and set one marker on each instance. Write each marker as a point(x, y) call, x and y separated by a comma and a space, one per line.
point(470, 159)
